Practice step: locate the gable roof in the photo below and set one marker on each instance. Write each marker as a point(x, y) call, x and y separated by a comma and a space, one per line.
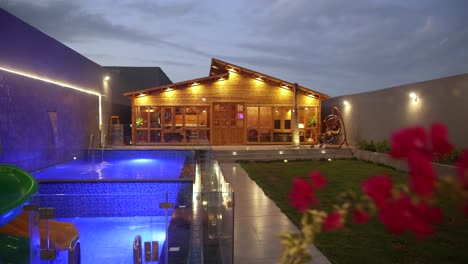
point(219, 70)
point(219, 66)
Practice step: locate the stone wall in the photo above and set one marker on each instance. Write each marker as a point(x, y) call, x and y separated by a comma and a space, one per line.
point(43, 124)
point(375, 115)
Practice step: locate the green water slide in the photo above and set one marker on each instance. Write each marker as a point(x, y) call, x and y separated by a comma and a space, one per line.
point(16, 187)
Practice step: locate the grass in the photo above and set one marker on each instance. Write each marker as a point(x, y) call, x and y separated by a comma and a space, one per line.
point(370, 243)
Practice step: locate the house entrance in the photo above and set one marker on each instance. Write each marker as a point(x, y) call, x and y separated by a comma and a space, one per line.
point(228, 123)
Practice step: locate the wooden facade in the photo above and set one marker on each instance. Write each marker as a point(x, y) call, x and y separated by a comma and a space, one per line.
point(232, 106)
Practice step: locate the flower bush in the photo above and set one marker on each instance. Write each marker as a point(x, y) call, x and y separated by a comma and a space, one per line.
point(408, 208)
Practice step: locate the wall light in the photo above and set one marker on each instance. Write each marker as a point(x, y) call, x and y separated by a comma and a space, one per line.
point(414, 97)
point(59, 83)
point(301, 125)
point(346, 103)
point(106, 78)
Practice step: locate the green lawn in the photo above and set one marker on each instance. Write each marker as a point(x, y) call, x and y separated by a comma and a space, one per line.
point(370, 243)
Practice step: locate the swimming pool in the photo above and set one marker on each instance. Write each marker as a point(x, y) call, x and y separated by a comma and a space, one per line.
point(115, 197)
point(110, 165)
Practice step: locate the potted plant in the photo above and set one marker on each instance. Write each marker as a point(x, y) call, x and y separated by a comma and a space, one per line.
point(313, 121)
point(139, 123)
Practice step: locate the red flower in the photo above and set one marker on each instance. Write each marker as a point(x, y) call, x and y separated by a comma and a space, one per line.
point(332, 222)
point(401, 215)
point(422, 175)
point(439, 140)
point(394, 214)
point(318, 181)
point(462, 168)
point(360, 217)
point(407, 141)
point(378, 188)
point(302, 195)
point(429, 214)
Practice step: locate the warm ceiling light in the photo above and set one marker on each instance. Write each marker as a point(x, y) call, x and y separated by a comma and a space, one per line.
point(307, 108)
point(258, 77)
point(106, 78)
point(221, 79)
point(214, 67)
point(141, 95)
point(311, 95)
point(284, 85)
point(168, 89)
point(413, 96)
point(195, 84)
point(232, 69)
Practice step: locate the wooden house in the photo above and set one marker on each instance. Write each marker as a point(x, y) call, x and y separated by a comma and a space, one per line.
point(232, 106)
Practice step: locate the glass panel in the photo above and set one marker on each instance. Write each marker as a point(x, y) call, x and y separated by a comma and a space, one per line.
point(191, 135)
point(179, 118)
point(155, 117)
point(203, 117)
point(144, 110)
point(265, 135)
point(204, 135)
point(287, 124)
point(252, 117)
point(266, 118)
point(277, 124)
point(252, 135)
point(168, 118)
point(173, 137)
point(191, 117)
point(155, 136)
point(142, 135)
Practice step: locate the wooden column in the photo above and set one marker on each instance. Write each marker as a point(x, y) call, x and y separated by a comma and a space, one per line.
point(295, 125)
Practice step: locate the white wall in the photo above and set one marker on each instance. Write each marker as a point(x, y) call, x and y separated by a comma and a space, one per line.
point(374, 115)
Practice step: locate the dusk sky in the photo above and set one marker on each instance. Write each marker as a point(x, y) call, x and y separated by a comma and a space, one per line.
point(335, 47)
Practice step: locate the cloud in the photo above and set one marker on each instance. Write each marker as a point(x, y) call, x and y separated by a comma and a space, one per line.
point(338, 45)
point(161, 9)
point(70, 22)
point(138, 61)
point(362, 43)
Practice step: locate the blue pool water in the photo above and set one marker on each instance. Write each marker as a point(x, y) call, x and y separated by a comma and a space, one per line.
point(110, 239)
point(120, 165)
point(114, 198)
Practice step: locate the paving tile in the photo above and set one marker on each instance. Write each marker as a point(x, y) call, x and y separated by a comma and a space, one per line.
point(258, 222)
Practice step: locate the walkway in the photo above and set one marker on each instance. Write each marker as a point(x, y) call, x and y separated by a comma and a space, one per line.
point(258, 222)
